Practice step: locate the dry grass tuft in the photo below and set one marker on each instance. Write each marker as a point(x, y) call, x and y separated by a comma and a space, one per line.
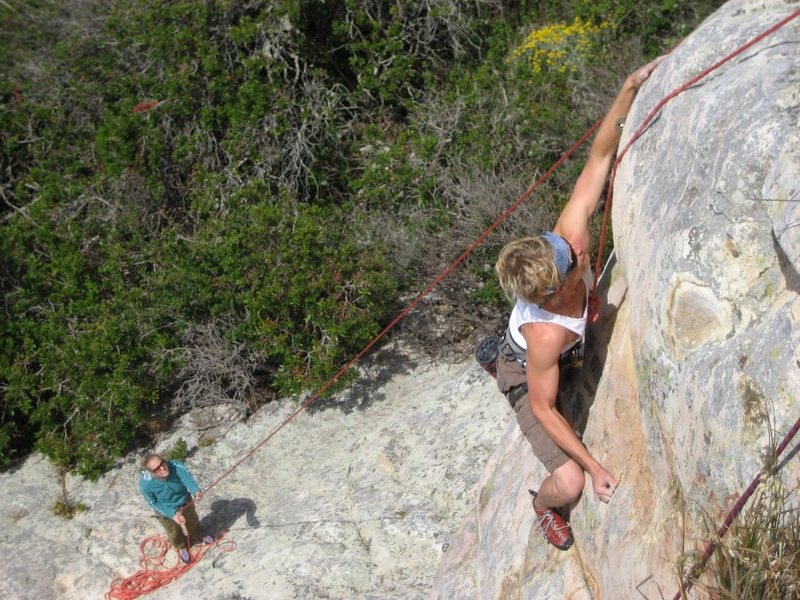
point(759, 559)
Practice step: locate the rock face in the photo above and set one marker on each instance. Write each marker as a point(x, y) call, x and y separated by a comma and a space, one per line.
point(356, 498)
point(695, 368)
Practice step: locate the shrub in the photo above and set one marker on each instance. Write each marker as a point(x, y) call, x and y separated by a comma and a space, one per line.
point(659, 25)
point(66, 507)
point(179, 450)
point(559, 47)
point(67, 511)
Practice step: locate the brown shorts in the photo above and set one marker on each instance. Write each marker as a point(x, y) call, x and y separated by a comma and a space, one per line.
point(510, 375)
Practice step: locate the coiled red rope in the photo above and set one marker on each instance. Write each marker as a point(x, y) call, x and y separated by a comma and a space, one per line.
point(147, 579)
point(153, 573)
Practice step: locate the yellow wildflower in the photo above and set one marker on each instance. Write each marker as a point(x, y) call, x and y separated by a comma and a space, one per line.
point(559, 47)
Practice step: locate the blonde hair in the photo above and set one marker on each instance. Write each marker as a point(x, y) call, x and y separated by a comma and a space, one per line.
point(526, 269)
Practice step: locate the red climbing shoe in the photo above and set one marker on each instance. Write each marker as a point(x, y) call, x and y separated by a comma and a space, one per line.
point(554, 528)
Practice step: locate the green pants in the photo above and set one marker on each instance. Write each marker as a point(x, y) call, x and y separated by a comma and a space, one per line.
point(174, 531)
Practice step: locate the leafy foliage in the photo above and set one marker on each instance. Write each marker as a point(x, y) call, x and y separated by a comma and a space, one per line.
point(68, 511)
point(179, 450)
point(559, 47)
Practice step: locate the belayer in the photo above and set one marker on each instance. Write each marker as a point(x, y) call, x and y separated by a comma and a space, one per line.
point(548, 278)
point(171, 490)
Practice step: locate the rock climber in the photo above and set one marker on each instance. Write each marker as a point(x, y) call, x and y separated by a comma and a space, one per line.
point(171, 491)
point(548, 279)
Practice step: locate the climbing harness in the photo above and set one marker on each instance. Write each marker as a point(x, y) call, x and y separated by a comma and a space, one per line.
point(572, 357)
point(492, 346)
point(515, 393)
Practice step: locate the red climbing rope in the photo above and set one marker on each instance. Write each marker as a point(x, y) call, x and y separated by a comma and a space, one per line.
point(153, 574)
point(147, 579)
point(317, 393)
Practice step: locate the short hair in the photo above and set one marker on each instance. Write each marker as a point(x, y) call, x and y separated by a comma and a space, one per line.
point(148, 457)
point(526, 269)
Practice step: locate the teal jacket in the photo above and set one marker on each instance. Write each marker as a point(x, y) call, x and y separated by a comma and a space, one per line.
point(166, 496)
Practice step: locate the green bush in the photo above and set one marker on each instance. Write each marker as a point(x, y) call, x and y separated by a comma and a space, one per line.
point(179, 450)
point(302, 291)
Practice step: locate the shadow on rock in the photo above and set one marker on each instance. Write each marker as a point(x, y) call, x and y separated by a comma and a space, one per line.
point(578, 386)
point(381, 367)
point(788, 269)
point(224, 513)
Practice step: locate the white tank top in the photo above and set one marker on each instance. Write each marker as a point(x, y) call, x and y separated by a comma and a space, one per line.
point(526, 312)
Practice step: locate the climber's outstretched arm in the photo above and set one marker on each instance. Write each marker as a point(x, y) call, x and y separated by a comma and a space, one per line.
point(573, 223)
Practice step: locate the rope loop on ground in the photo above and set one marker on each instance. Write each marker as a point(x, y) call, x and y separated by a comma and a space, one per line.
point(156, 571)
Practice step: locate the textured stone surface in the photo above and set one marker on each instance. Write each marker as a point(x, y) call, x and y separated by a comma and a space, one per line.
point(703, 216)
